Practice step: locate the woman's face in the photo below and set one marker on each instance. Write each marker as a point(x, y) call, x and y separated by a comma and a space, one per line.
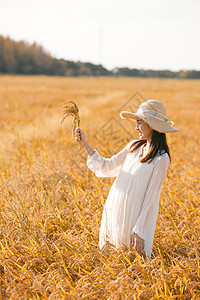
point(144, 130)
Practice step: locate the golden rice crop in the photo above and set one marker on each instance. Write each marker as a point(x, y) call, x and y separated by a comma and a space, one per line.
point(71, 109)
point(51, 203)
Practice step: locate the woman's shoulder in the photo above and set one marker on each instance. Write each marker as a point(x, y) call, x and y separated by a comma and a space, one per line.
point(162, 158)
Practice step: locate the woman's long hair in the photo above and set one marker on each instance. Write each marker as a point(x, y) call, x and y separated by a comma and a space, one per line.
point(158, 143)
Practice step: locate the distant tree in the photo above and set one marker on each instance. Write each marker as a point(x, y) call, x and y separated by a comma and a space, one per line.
point(8, 56)
point(2, 62)
point(126, 72)
point(190, 74)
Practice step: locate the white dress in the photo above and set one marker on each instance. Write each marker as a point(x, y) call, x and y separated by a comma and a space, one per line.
point(133, 201)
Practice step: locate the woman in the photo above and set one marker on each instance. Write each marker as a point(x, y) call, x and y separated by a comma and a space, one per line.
point(131, 209)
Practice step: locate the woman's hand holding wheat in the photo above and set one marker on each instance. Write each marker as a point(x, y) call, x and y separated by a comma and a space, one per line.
point(80, 136)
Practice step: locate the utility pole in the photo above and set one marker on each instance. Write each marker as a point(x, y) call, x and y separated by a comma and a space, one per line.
point(100, 45)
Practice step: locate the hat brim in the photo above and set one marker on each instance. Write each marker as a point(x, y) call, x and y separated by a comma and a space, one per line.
point(154, 123)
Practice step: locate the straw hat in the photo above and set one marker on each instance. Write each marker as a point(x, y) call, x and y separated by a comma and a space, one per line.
point(154, 114)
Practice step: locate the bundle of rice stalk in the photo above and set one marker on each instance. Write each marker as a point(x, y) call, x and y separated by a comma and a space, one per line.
point(71, 109)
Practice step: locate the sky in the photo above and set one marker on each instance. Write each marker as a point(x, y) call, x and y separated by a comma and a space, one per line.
point(141, 34)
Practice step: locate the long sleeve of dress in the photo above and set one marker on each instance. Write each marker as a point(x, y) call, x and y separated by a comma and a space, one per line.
point(150, 205)
point(107, 167)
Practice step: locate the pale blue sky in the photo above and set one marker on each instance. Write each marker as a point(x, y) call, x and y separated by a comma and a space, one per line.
point(149, 34)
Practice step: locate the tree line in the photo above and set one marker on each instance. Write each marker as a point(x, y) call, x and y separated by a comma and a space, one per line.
point(25, 58)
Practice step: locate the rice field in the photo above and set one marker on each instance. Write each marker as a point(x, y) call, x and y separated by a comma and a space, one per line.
point(51, 203)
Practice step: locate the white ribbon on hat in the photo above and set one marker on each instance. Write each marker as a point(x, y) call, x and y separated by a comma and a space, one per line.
point(155, 114)
point(169, 121)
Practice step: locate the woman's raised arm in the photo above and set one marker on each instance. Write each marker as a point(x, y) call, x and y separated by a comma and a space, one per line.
point(101, 166)
point(80, 137)
point(107, 167)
